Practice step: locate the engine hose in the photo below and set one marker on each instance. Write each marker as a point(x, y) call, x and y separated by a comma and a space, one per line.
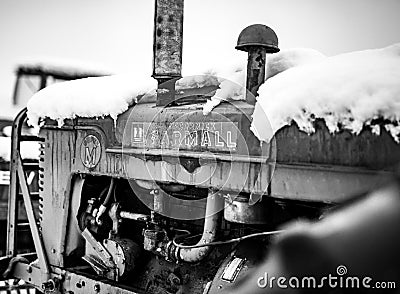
point(217, 243)
point(213, 215)
point(103, 206)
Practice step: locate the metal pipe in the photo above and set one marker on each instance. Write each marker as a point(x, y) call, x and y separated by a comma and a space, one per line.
point(257, 40)
point(255, 72)
point(134, 216)
point(214, 209)
point(167, 48)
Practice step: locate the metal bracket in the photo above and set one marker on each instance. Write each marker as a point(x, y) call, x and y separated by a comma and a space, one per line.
point(37, 239)
point(98, 257)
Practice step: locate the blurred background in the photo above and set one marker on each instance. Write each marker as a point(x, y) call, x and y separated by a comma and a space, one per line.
point(118, 35)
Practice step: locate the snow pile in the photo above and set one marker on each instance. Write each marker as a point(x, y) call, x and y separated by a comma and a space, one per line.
point(102, 96)
point(347, 91)
point(196, 81)
point(232, 81)
point(68, 67)
point(89, 97)
point(29, 150)
point(285, 59)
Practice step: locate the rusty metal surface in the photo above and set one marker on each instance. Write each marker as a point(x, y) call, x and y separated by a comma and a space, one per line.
point(343, 148)
point(255, 72)
point(168, 32)
point(59, 157)
point(330, 184)
point(239, 209)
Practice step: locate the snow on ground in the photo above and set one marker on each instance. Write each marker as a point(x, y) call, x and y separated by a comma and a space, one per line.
point(347, 90)
point(29, 150)
point(63, 66)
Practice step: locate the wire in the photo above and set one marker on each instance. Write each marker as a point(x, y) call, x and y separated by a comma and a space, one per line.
point(226, 241)
point(110, 190)
point(103, 193)
point(187, 233)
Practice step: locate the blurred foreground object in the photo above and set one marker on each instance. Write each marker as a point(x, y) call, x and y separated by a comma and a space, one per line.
point(353, 249)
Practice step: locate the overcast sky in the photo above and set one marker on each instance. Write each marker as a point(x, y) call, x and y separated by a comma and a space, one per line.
point(118, 34)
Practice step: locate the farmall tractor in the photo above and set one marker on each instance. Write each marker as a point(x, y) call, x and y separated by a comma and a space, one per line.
point(168, 200)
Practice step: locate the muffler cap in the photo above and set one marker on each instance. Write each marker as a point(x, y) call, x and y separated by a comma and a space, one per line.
point(258, 35)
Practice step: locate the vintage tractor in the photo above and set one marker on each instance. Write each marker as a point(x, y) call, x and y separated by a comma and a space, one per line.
point(167, 200)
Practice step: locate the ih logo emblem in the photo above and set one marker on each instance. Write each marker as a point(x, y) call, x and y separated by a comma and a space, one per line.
point(137, 133)
point(90, 151)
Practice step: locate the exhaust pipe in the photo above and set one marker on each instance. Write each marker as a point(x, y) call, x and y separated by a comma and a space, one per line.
point(257, 40)
point(167, 48)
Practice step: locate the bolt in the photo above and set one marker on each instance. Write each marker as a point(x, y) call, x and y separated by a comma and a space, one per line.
point(29, 269)
point(97, 288)
point(53, 251)
point(49, 286)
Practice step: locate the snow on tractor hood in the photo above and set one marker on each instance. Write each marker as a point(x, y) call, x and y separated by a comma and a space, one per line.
point(103, 96)
point(349, 91)
point(88, 97)
point(112, 95)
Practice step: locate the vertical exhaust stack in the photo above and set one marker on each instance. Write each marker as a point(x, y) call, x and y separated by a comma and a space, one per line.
point(257, 40)
point(167, 48)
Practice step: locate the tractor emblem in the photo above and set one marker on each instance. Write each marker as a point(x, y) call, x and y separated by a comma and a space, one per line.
point(90, 151)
